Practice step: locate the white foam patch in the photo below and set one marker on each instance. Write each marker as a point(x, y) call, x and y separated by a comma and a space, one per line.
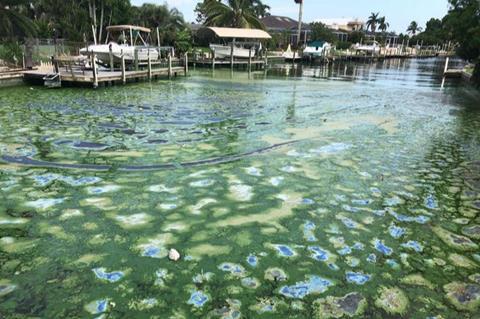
point(241, 192)
point(70, 213)
point(167, 206)
point(289, 169)
point(102, 189)
point(196, 209)
point(203, 183)
point(45, 203)
point(276, 181)
point(15, 221)
point(253, 171)
point(331, 148)
point(160, 188)
point(134, 220)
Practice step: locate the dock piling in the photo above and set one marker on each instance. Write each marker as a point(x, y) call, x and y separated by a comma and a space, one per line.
point(213, 59)
point(265, 63)
point(185, 61)
point(111, 57)
point(446, 65)
point(169, 65)
point(124, 79)
point(94, 69)
point(136, 59)
point(231, 53)
point(149, 67)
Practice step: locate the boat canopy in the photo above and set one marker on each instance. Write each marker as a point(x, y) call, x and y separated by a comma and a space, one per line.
point(127, 27)
point(316, 44)
point(238, 33)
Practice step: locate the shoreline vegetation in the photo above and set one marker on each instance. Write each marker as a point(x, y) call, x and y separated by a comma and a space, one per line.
point(81, 22)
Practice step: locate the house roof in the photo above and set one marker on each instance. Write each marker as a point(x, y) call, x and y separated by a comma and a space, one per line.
point(239, 33)
point(282, 23)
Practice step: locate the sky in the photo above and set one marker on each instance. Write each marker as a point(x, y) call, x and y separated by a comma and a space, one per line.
point(399, 13)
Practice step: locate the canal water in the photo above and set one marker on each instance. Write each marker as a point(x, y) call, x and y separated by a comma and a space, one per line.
point(307, 192)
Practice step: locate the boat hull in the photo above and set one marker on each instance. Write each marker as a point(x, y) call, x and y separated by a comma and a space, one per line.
point(102, 52)
point(223, 51)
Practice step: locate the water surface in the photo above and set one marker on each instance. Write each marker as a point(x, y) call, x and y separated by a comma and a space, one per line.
point(314, 192)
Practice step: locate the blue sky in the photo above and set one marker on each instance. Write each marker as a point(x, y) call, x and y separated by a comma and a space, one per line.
point(399, 13)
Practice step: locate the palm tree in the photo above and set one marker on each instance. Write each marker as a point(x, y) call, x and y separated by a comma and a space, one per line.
point(235, 13)
point(413, 28)
point(372, 22)
point(169, 21)
point(382, 24)
point(261, 10)
point(13, 22)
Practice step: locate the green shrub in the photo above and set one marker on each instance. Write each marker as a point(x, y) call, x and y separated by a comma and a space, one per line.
point(11, 52)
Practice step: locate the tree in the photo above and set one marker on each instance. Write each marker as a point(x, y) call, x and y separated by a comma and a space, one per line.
point(435, 33)
point(372, 22)
point(383, 25)
point(413, 28)
point(12, 21)
point(463, 23)
point(183, 40)
point(356, 37)
point(233, 13)
point(261, 10)
point(169, 21)
point(321, 32)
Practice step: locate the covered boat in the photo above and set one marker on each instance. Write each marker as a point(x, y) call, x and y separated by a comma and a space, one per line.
point(317, 49)
point(127, 37)
point(245, 42)
point(374, 47)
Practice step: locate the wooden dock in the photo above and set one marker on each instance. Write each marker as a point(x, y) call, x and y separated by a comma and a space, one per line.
point(76, 71)
point(210, 60)
point(82, 77)
point(10, 77)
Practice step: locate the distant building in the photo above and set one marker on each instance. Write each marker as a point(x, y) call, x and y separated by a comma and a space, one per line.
point(288, 27)
point(343, 26)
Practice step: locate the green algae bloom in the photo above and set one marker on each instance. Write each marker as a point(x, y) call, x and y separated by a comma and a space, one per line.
point(350, 305)
point(349, 196)
point(392, 300)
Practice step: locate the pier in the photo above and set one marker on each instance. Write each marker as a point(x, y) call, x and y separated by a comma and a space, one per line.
point(88, 71)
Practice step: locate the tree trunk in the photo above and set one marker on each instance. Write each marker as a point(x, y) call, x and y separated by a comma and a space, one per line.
point(300, 16)
point(101, 22)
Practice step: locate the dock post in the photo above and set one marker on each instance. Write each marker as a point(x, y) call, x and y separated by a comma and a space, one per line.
point(185, 61)
point(124, 78)
point(136, 59)
point(94, 68)
point(213, 59)
point(149, 67)
point(250, 60)
point(169, 65)
point(265, 63)
point(55, 64)
point(111, 57)
point(446, 65)
point(231, 54)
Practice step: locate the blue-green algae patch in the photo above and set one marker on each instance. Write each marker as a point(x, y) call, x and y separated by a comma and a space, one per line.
point(285, 197)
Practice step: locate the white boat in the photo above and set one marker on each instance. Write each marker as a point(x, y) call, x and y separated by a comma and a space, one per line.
point(129, 49)
point(369, 48)
point(290, 55)
point(317, 49)
point(225, 51)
